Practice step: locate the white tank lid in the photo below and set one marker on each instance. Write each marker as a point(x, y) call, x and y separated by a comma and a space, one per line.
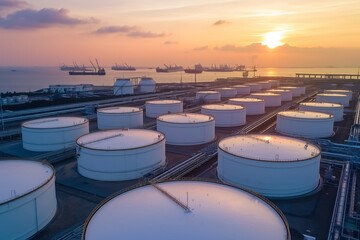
point(208, 92)
point(185, 118)
point(252, 84)
point(338, 91)
point(269, 94)
point(288, 87)
point(20, 177)
point(305, 114)
point(55, 122)
point(270, 148)
point(246, 100)
point(322, 104)
point(119, 110)
point(331, 95)
point(241, 86)
point(278, 90)
point(217, 212)
point(222, 107)
point(120, 139)
point(226, 88)
point(164, 101)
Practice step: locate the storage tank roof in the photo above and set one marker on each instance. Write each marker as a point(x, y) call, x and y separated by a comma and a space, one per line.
point(164, 101)
point(241, 86)
point(338, 90)
point(55, 122)
point(270, 148)
point(186, 118)
point(246, 100)
point(288, 87)
point(222, 107)
point(252, 84)
point(119, 110)
point(120, 139)
point(20, 177)
point(226, 88)
point(208, 92)
point(217, 212)
point(265, 94)
point(278, 90)
point(331, 95)
point(305, 114)
point(322, 104)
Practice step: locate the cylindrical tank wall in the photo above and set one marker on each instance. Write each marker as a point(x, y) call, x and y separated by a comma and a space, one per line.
point(154, 110)
point(52, 139)
point(187, 133)
point(333, 98)
point(120, 120)
point(226, 117)
point(308, 128)
point(255, 107)
point(120, 165)
point(336, 110)
point(271, 179)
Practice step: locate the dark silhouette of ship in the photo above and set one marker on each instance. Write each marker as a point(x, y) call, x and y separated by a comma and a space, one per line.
point(96, 71)
point(123, 68)
point(170, 68)
point(197, 69)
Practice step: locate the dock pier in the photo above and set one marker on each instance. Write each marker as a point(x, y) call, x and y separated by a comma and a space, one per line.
point(328, 76)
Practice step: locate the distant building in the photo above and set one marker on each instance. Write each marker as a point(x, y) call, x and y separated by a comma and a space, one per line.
point(70, 88)
point(19, 99)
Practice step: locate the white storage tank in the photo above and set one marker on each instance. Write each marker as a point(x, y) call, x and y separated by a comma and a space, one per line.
point(147, 85)
point(274, 166)
point(27, 198)
point(242, 89)
point(187, 128)
point(305, 124)
point(338, 91)
point(271, 99)
point(274, 83)
point(123, 86)
point(208, 96)
point(119, 117)
point(121, 154)
point(155, 108)
point(333, 98)
point(226, 115)
point(295, 90)
point(254, 87)
point(52, 134)
point(186, 210)
point(253, 106)
point(286, 95)
point(265, 85)
point(333, 108)
point(227, 92)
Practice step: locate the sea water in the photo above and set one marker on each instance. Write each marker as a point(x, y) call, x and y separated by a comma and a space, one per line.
point(26, 79)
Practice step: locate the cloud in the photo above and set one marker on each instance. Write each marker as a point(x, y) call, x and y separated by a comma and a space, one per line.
point(203, 48)
point(46, 17)
point(220, 22)
point(169, 42)
point(115, 29)
point(141, 34)
point(12, 3)
point(254, 47)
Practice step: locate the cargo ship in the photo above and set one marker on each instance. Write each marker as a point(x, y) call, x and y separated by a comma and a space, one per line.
point(97, 70)
point(170, 68)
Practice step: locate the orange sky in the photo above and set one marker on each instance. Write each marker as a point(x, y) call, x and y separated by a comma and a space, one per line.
point(183, 32)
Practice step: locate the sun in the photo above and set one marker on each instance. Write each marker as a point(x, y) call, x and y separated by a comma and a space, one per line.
point(273, 39)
